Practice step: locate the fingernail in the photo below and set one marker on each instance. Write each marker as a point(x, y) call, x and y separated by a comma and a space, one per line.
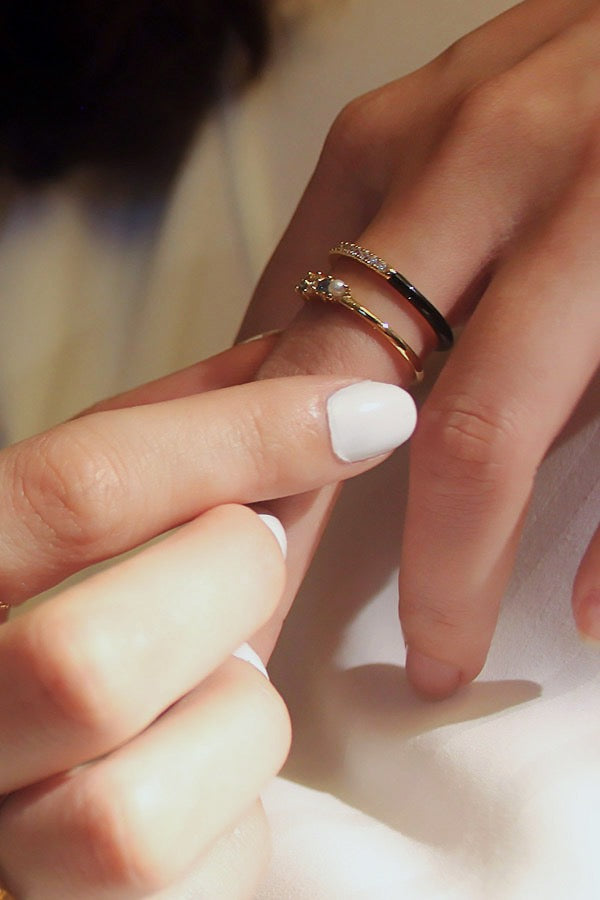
point(273, 523)
point(259, 337)
point(431, 677)
point(247, 653)
point(369, 418)
point(587, 615)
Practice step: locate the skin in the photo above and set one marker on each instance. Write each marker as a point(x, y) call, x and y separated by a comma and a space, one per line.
point(87, 769)
point(478, 177)
point(120, 701)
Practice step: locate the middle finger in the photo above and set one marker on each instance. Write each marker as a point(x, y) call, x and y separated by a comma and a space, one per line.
point(86, 671)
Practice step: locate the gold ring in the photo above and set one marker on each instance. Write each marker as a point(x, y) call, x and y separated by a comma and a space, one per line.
point(317, 286)
point(4, 895)
point(403, 286)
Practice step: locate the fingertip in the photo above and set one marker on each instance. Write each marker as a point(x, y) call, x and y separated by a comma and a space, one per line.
point(586, 610)
point(433, 679)
point(586, 593)
point(247, 653)
point(368, 419)
point(276, 528)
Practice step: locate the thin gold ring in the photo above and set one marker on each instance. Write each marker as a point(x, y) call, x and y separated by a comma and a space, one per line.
point(317, 286)
point(403, 286)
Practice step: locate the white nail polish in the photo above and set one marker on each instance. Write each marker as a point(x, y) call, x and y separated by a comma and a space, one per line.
point(273, 523)
point(369, 418)
point(245, 652)
point(259, 337)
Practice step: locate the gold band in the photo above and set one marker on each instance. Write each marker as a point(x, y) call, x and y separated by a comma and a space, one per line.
point(403, 286)
point(4, 895)
point(317, 286)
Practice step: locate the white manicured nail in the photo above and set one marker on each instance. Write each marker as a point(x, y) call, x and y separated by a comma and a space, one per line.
point(369, 418)
point(259, 337)
point(273, 523)
point(245, 652)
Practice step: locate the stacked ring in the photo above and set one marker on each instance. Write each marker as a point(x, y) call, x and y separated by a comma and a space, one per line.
point(432, 316)
point(317, 286)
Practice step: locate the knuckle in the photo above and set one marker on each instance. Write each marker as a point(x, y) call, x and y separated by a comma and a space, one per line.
point(69, 486)
point(434, 621)
point(72, 669)
point(454, 61)
point(512, 107)
point(465, 446)
point(118, 829)
point(253, 441)
point(354, 131)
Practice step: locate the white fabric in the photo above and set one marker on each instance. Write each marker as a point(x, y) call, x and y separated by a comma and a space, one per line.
point(493, 794)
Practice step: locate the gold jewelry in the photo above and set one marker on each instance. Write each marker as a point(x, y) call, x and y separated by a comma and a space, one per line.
point(317, 286)
point(4, 895)
point(400, 283)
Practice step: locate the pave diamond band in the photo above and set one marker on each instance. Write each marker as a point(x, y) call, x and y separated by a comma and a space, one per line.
point(427, 310)
point(317, 286)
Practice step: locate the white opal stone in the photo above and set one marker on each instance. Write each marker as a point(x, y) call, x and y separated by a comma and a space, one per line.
point(337, 287)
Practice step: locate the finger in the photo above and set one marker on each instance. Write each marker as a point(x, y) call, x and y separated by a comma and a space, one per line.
point(83, 673)
point(523, 362)
point(389, 135)
point(233, 867)
point(446, 233)
point(104, 483)
point(235, 365)
point(586, 592)
point(108, 828)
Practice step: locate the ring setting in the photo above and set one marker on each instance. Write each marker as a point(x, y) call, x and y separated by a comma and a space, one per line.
point(329, 289)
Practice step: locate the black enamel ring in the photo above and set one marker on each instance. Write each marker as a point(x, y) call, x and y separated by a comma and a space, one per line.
point(432, 316)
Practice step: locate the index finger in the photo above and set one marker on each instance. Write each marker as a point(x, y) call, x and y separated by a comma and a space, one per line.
point(107, 482)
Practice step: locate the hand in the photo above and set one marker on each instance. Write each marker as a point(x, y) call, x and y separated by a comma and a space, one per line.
point(134, 746)
point(478, 177)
